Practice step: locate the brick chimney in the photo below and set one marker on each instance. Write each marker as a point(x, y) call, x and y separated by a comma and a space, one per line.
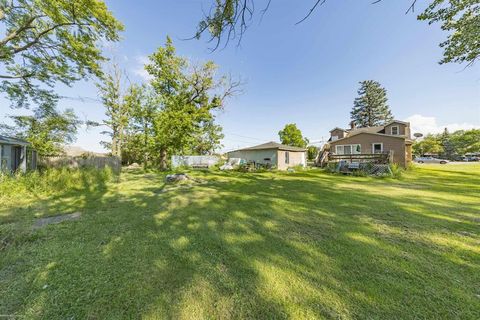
point(352, 125)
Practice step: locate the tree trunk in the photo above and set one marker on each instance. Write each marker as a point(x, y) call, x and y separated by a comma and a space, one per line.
point(163, 158)
point(145, 147)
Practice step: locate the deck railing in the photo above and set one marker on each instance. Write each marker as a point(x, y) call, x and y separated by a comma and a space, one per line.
point(364, 157)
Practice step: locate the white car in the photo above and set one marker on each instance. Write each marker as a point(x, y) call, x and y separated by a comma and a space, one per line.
point(430, 160)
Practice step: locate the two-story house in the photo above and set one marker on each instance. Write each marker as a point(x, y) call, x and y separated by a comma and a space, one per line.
point(394, 136)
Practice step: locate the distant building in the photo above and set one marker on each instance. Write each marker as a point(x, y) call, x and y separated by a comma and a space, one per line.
point(15, 154)
point(272, 153)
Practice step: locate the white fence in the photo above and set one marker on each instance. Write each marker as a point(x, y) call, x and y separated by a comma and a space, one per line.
point(194, 161)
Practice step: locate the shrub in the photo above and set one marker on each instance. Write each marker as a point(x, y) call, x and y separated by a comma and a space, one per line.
point(331, 167)
point(396, 170)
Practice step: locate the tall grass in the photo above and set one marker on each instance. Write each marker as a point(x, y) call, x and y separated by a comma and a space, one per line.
point(50, 181)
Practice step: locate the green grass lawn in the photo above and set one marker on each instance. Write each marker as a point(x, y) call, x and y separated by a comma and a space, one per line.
point(266, 246)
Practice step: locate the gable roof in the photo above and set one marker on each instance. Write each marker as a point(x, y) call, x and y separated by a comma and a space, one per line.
point(371, 133)
point(13, 141)
point(355, 131)
point(273, 145)
point(337, 128)
point(397, 121)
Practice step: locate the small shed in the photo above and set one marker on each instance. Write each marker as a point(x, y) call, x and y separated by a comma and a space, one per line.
point(16, 154)
point(272, 153)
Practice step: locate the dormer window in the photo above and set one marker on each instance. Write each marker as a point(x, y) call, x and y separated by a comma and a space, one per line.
point(334, 138)
point(395, 131)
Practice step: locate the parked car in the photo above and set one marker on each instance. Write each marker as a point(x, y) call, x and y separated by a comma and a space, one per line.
point(470, 158)
point(430, 160)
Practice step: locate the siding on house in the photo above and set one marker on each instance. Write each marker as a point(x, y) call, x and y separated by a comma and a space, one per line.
point(295, 159)
point(366, 140)
point(257, 156)
point(402, 128)
point(338, 132)
point(272, 153)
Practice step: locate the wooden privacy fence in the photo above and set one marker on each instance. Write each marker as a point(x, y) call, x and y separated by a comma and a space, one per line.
point(81, 162)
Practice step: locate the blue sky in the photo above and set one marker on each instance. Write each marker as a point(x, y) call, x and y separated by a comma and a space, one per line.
point(306, 74)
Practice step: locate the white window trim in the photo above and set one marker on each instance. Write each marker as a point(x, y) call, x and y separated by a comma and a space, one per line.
point(352, 146)
point(373, 147)
point(398, 130)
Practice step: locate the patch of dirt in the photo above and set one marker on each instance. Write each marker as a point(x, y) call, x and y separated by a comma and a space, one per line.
point(40, 223)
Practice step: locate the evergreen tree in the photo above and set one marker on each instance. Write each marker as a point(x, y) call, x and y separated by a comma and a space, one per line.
point(448, 148)
point(370, 108)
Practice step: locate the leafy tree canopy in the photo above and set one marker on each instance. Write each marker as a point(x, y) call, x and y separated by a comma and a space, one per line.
point(50, 41)
point(429, 144)
point(292, 136)
point(312, 152)
point(370, 108)
point(178, 115)
point(448, 144)
point(229, 19)
point(461, 18)
point(48, 130)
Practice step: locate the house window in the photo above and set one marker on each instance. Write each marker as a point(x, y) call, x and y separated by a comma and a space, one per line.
point(348, 149)
point(287, 157)
point(395, 131)
point(377, 148)
point(334, 138)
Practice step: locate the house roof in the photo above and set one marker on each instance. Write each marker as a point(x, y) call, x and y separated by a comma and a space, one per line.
point(13, 141)
point(273, 145)
point(337, 128)
point(397, 121)
point(372, 133)
point(370, 129)
point(356, 131)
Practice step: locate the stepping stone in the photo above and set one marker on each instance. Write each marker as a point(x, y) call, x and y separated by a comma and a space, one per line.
point(56, 219)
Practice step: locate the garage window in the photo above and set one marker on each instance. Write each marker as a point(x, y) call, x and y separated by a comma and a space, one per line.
point(287, 157)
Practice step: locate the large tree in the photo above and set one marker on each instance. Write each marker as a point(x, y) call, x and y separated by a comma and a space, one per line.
point(189, 96)
point(47, 129)
point(139, 142)
point(118, 103)
point(466, 141)
point(449, 144)
point(229, 19)
point(370, 108)
point(46, 42)
point(290, 135)
point(429, 144)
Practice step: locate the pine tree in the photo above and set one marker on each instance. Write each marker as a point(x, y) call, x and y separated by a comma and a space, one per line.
point(448, 148)
point(370, 108)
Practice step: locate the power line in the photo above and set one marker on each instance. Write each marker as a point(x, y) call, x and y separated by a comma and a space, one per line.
point(247, 137)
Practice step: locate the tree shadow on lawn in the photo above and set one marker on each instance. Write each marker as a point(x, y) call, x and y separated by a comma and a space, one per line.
point(251, 246)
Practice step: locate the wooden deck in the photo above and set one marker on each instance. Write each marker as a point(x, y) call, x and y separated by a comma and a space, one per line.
point(364, 157)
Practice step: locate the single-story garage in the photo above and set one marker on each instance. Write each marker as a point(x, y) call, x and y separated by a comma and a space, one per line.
point(272, 153)
point(15, 154)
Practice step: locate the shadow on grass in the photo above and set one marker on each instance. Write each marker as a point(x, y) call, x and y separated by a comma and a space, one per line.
point(264, 246)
